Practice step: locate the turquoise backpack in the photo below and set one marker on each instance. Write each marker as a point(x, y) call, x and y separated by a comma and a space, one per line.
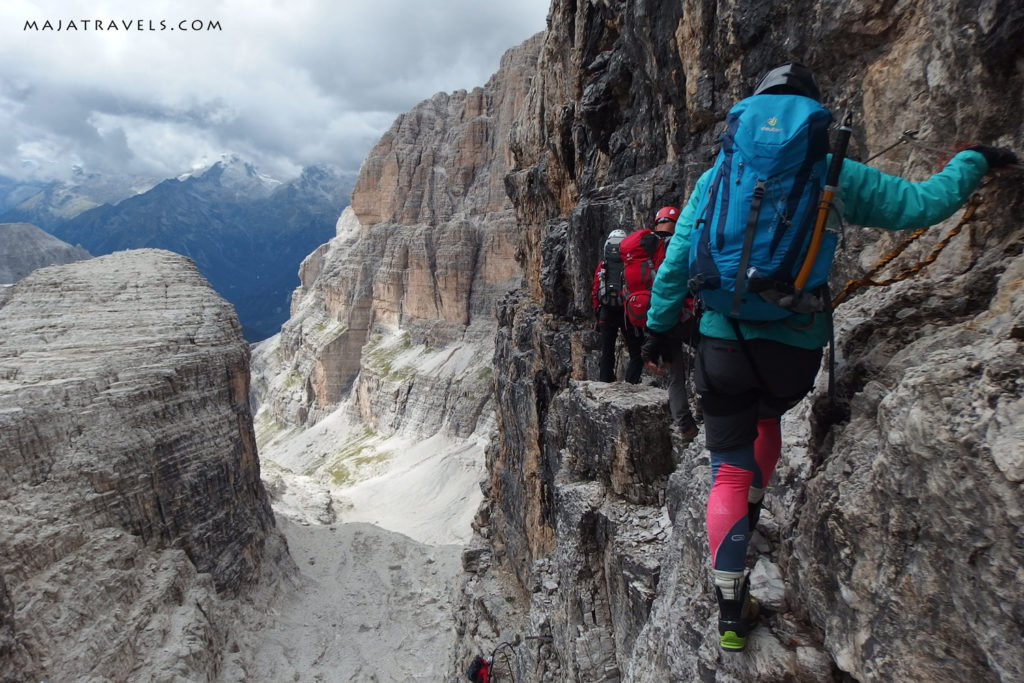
point(755, 220)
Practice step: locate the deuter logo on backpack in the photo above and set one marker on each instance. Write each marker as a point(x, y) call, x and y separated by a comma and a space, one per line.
point(756, 219)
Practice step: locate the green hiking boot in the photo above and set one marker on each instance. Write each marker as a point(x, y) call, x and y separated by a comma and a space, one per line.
point(737, 618)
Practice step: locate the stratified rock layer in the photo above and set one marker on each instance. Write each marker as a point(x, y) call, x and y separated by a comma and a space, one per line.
point(129, 481)
point(426, 248)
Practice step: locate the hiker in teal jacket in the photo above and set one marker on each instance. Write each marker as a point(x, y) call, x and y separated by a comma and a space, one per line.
point(743, 404)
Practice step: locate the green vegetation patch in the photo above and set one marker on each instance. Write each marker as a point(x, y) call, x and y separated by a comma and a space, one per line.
point(381, 357)
point(292, 380)
point(331, 329)
point(356, 456)
point(267, 429)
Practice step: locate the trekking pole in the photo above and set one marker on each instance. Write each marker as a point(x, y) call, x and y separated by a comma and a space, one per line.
point(907, 136)
point(825, 205)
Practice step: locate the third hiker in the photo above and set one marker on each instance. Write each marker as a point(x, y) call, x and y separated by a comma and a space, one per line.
point(607, 299)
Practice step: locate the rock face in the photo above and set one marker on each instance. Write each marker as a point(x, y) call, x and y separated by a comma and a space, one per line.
point(130, 491)
point(890, 547)
point(381, 383)
point(425, 249)
point(24, 247)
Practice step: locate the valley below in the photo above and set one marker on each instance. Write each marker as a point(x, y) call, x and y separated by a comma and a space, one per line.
point(367, 604)
point(378, 559)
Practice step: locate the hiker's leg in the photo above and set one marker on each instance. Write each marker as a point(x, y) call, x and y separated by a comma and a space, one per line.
point(729, 529)
point(732, 471)
point(785, 375)
point(729, 396)
point(609, 327)
point(767, 449)
point(729, 393)
point(788, 373)
point(678, 400)
point(634, 338)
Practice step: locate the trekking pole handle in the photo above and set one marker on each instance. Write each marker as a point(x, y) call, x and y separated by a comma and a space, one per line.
point(845, 131)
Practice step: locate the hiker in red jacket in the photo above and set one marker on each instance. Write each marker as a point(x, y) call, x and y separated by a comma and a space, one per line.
point(479, 670)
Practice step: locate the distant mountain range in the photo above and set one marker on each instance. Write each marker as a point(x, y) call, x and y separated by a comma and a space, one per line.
point(246, 232)
point(45, 204)
point(14, 192)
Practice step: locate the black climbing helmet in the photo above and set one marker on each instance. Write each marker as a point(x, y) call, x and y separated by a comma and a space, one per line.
point(792, 78)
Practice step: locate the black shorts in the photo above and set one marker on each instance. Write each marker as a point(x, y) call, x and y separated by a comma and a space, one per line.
point(734, 395)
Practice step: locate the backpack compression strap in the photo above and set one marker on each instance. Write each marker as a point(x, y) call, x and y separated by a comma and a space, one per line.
point(748, 245)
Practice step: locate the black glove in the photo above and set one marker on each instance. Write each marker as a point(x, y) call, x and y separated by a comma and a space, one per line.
point(655, 346)
point(996, 157)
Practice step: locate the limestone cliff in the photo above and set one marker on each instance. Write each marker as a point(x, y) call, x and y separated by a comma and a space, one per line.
point(130, 495)
point(404, 296)
point(891, 545)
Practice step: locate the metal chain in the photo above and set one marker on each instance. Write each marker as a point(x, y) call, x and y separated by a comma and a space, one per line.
point(867, 281)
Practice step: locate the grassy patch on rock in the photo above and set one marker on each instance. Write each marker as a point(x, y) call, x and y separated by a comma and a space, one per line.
point(356, 459)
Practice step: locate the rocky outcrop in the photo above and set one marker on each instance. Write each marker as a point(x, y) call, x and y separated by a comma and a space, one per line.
point(24, 247)
point(130, 491)
point(425, 250)
point(891, 535)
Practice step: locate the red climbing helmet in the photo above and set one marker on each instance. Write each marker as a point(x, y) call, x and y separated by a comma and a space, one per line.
point(667, 214)
point(479, 670)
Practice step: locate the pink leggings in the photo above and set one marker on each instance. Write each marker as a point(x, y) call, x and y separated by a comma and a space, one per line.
point(733, 473)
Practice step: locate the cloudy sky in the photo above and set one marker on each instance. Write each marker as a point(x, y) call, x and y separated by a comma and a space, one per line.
point(158, 87)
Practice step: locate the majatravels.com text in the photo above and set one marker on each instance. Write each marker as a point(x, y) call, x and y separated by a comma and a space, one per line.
point(123, 25)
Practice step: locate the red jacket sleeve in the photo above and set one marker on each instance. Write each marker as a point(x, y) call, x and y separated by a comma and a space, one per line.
point(593, 289)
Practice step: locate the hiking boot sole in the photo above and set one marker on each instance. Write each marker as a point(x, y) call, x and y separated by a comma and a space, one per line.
point(732, 642)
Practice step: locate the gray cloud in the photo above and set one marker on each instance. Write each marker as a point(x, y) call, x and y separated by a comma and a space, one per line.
point(283, 84)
